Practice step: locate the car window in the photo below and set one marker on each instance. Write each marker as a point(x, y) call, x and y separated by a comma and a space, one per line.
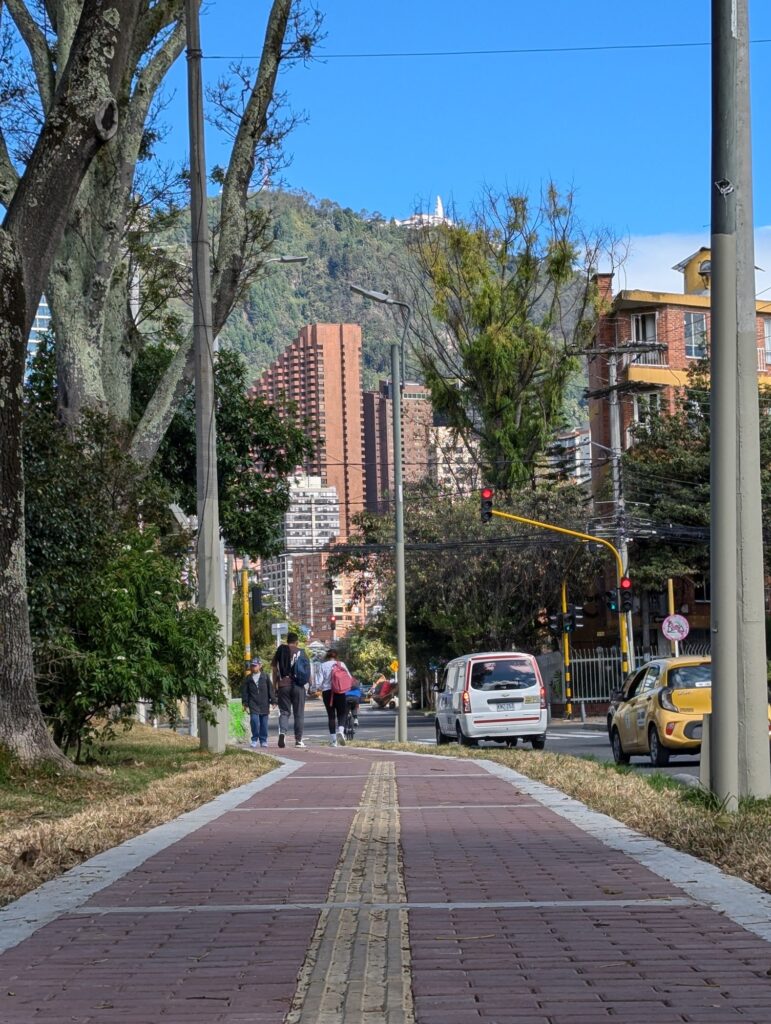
point(503, 674)
point(685, 676)
point(651, 678)
point(634, 684)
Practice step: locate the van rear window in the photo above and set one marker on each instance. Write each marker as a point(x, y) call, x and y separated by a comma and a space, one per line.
point(502, 675)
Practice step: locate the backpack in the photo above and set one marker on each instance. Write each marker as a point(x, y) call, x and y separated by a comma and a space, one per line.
point(340, 679)
point(301, 670)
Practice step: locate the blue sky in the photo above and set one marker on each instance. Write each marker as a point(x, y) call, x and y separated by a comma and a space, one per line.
point(628, 129)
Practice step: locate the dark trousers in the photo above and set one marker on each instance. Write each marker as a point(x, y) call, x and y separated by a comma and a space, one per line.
point(336, 708)
point(291, 701)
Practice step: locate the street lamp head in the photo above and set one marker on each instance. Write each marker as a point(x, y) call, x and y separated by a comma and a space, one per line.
point(287, 259)
point(375, 296)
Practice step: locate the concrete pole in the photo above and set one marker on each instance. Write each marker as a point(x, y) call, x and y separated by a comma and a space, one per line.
point(401, 600)
point(754, 773)
point(618, 490)
point(209, 552)
point(724, 535)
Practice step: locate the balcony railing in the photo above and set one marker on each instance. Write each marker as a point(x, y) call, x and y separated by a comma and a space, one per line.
point(657, 357)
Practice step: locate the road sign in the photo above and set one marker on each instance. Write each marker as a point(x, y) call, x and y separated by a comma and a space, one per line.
point(394, 666)
point(675, 627)
point(277, 628)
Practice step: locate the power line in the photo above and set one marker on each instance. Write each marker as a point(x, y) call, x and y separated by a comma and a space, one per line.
point(513, 51)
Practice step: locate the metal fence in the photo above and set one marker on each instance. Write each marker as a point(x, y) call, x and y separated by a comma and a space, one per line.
point(596, 673)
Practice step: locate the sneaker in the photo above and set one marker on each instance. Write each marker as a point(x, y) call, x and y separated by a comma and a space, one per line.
point(299, 743)
point(281, 740)
point(341, 739)
point(253, 744)
point(333, 743)
point(263, 744)
point(356, 722)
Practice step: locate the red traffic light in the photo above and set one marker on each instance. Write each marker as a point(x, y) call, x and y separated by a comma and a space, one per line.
point(487, 493)
point(626, 583)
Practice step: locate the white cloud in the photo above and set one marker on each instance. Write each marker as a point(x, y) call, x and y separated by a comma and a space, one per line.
point(651, 258)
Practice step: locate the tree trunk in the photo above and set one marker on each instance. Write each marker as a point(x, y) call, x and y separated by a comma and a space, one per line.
point(82, 118)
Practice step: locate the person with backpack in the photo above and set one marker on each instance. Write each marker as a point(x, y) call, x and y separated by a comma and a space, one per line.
point(336, 681)
point(291, 674)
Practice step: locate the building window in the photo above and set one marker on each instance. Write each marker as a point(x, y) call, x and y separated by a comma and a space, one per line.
point(643, 328)
point(767, 340)
point(647, 406)
point(695, 335)
point(701, 591)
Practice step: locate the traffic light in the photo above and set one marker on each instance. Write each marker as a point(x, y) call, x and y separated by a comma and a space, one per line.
point(256, 596)
point(569, 619)
point(486, 504)
point(555, 623)
point(578, 615)
point(332, 622)
point(611, 599)
point(627, 594)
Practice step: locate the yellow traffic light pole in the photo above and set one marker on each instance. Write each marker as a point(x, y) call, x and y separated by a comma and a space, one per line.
point(245, 617)
point(588, 538)
point(566, 656)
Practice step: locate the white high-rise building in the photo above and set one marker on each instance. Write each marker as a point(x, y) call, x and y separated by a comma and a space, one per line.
point(312, 520)
point(41, 324)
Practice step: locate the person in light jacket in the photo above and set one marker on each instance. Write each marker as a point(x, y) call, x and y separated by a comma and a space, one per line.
point(257, 698)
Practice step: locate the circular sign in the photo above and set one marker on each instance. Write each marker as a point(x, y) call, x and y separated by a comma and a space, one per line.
point(675, 627)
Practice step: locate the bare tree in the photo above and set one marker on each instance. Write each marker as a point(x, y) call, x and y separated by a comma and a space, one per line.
point(82, 116)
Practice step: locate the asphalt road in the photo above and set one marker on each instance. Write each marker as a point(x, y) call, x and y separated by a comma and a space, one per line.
point(575, 739)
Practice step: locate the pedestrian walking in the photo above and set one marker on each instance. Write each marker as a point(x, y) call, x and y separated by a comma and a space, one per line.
point(335, 699)
point(291, 674)
point(257, 698)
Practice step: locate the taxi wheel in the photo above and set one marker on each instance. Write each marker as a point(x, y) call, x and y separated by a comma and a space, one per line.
point(440, 736)
point(659, 754)
point(620, 756)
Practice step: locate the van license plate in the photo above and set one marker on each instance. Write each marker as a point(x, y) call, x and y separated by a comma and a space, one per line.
point(506, 707)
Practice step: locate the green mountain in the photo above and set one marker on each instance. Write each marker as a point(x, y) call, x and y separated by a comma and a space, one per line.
point(343, 248)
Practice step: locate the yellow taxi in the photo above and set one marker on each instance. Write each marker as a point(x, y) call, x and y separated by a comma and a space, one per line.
point(659, 710)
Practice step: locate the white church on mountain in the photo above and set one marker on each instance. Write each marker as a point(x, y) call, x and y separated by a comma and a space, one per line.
point(426, 220)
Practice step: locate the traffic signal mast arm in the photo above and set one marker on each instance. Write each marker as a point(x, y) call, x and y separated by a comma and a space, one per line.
point(589, 538)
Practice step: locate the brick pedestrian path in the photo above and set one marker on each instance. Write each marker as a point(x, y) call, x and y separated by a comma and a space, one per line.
point(370, 887)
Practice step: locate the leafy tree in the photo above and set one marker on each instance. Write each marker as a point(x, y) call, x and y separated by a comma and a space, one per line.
point(110, 616)
point(503, 306)
point(667, 473)
point(470, 586)
point(258, 447)
point(80, 117)
point(365, 653)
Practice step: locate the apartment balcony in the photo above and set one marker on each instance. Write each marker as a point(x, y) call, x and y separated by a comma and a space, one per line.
point(656, 357)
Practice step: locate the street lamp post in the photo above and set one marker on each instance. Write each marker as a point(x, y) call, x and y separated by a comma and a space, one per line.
point(397, 361)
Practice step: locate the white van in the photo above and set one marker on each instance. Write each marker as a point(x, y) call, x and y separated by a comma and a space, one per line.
point(495, 696)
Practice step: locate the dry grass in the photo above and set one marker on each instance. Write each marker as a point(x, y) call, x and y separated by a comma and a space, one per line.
point(683, 818)
point(52, 822)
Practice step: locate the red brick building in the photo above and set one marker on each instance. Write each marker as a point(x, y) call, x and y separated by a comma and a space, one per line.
point(417, 421)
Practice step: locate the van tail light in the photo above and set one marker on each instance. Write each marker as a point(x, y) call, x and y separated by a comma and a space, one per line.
point(466, 703)
point(543, 696)
point(665, 699)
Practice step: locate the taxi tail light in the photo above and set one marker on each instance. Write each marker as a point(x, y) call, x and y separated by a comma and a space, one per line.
point(466, 703)
point(543, 696)
point(665, 699)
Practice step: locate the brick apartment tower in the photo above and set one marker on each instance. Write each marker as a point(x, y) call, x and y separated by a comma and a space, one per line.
point(417, 421)
point(321, 373)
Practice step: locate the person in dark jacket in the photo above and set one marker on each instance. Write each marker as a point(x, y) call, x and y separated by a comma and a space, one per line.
point(257, 698)
point(290, 694)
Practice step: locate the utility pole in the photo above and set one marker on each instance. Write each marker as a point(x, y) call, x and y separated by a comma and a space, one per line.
point(739, 764)
point(618, 490)
point(209, 550)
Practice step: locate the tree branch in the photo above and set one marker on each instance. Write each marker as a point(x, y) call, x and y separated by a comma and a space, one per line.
point(9, 176)
point(37, 45)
